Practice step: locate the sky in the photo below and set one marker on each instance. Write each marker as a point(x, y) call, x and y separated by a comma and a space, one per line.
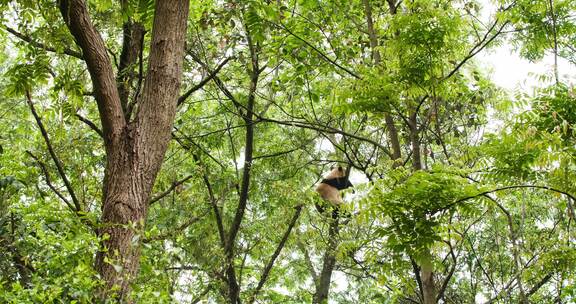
point(512, 73)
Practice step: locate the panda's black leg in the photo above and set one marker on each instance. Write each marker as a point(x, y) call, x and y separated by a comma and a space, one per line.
point(319, 207)
point(341, 213)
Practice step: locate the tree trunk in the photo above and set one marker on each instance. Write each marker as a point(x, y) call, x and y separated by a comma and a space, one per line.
point(135, 150)
point(328, 262)
point(390, 126)
point(426, 267)
point(428, 287)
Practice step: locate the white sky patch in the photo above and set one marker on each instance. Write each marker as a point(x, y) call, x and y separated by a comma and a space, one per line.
point(480, 299)
point(324, 145)
point(357, 178)
point(509, 71)
point(240, 160)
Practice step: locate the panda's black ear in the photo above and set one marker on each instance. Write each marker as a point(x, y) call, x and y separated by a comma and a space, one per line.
point(340, 168)
point(331, 167)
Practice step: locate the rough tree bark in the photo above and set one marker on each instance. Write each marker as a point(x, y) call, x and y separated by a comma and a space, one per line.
point(134, 149)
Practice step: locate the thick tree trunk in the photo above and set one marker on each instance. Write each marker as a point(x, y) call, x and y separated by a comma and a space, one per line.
point(328, 262)
point(134, 150)
point(123, 216)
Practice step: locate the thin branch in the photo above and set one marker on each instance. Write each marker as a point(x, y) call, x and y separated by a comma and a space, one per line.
point(279, 248)
point(203, 82)
point(484, 193)
point(214, 132)
point(555, 36)
point(540, 283)
point(173, 231)
point(43, 46)
point(215, 209)
point(478, 47)
point(201, 295)
point(325, 129)
point(169, 190)
point(420, 106)
point(416, 270)
point(276, 154)
point(324, 56)
point(450, 274)
point(57, 162)
point(309, 263)
point(49, 180)
point(213, 200)
point(90, 124)
point(189, 148)
point(219, 83)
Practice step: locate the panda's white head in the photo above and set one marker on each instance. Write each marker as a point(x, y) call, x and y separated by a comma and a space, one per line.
point(335, 172)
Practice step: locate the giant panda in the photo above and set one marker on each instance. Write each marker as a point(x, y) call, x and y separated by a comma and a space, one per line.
point(331, 184)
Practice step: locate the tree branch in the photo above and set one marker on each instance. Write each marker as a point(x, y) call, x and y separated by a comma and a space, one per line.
point(43, 46)
point(540, 283)
point(173, 231)
point(212, 197)
point(449, 275)
point(203, 82)
point(324, 129)
point(218, 82)
point(324, 56)
point(484, 193)
point(90, 124)
point(309, 263)
point(201, 295)
point(133, 36)
point(170, 189)
point(49, 181)
point(57, 162)
point(76, 16)
point(248, 117)
point(478, 47)
point(270, 264)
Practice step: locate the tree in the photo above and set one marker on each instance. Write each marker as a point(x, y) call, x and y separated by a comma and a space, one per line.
point(135, 143)
point(134, 147)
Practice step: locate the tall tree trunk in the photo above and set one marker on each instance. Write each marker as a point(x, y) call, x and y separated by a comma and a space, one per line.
point(426, 267)
point(328, 262)
point(390, 126)
point(135, 150)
